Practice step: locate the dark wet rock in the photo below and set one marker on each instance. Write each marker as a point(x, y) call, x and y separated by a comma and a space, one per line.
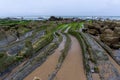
point(97, 26)
point(107, 35)
point(53, 18)
point(112, 26)
point(84, 29)
point(110, 38)
point(117, 30)
point(93, 31)
point(108, 32)
point(94, 26)
point(90, 26)
point(115, 46)
point(102, 29)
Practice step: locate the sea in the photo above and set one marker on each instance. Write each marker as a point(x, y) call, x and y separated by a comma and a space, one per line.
point(77, 17)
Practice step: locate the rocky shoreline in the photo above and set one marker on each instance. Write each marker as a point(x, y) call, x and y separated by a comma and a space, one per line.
point(34, 35)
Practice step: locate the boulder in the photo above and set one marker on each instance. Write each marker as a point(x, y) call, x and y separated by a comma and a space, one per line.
point(108, 32)
point(90, 26)
point(115, 46)
point(110, 24)
point(117, 30)
point(97, 26)
point(102, 29)
point(93, 31)
point(112, 40)
point(53, 18)
point(94, 26)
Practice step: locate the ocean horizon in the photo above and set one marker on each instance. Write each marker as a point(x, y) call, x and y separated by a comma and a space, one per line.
point(79, 17)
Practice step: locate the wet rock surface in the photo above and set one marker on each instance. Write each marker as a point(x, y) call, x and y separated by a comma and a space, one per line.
point(117, 55)
point(109, 32)
point(99, 62)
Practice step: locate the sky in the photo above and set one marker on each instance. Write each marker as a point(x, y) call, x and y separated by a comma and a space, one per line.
point(59, 7)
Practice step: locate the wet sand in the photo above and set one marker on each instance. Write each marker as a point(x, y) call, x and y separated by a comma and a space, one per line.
point(72, 67)
point(48, 66)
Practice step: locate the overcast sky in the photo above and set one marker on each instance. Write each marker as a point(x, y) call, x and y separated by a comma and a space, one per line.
point(60, 7)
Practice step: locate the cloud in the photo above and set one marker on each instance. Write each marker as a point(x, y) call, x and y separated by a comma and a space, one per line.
point(59, 7)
